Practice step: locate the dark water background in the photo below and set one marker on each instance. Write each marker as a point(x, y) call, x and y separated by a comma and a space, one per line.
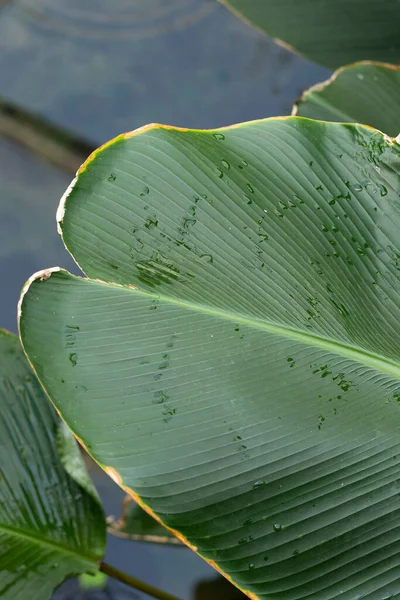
point(95, 69)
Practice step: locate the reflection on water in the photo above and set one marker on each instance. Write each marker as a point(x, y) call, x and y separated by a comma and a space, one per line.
point(117, 21)
point(97, 68)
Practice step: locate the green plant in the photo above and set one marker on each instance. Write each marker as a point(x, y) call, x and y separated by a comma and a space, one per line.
point(231, 358)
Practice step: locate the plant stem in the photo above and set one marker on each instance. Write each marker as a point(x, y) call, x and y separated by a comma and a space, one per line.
point(136, 583)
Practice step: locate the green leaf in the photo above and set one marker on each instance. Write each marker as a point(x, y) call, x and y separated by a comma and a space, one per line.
point(247, 390)
point(360, 93)
point(93, 582)
point(330, 33)
point(136, 524)
point(50, 527)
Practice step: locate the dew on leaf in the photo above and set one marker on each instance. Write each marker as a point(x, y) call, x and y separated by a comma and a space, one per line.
point(383, 189)
point(189, 223)
point(277, 527)
point(145, 192)
point(219, 136)
point(258, 484)
point(159, 397)
point(207, 258)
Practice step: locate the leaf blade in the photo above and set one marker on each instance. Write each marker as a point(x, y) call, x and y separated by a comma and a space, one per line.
point(330, 34)
point(36, 551)
point(235, 435)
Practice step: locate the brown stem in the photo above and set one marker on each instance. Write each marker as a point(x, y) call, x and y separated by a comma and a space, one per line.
point(136, 583)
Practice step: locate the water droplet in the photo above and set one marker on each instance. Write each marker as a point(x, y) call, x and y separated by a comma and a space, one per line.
point(252, 566)
point(248, 522)
point(383, 190)
point(266, 558)
point(189, 223)
point(207, 258)
point(151, 223)
point(225, 164)
point(153, 305)
point(145, 192)
point(219, 136)
point(169, 411)
point(277, 527)
point(219, 173)
point(112, 177)
point(250, 188)
point(258, 484)
point(159, 397)
point(73, 358)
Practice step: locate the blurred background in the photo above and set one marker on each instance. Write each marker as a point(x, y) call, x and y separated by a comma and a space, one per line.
point(76, 73)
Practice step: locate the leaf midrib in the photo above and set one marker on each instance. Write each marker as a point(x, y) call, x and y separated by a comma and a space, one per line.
point(41, 541)
point(369, 359)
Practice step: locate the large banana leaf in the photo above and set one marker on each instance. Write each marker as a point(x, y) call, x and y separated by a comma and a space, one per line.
point(330, 32)
point(246, 392)
point(360, 93)
point(50, 525)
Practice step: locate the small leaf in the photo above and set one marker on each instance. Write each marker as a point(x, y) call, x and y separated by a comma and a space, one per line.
point(50, 526)
point(364, 92)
